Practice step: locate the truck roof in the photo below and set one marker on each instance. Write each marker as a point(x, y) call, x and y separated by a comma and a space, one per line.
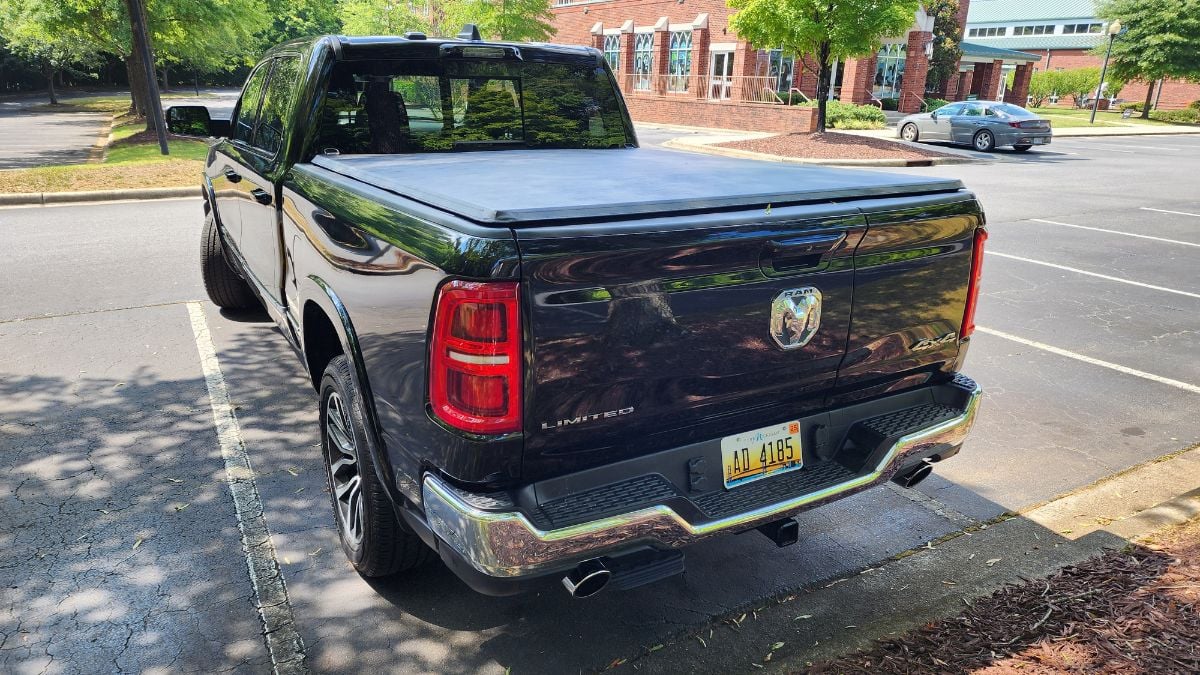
point(347, 47)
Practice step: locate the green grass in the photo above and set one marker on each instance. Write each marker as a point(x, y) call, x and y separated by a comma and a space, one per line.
point(1066, 116)
point(132, 153)
point(110, 103)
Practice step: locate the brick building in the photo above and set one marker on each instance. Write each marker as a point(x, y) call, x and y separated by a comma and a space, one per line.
point(678, 61)
point(1062, 33)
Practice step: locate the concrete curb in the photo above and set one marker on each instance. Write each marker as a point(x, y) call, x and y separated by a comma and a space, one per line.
point(678, 144)
point(46, 198)
point(836, 616)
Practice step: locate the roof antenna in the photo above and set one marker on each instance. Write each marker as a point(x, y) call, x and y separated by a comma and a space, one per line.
point(469, 32)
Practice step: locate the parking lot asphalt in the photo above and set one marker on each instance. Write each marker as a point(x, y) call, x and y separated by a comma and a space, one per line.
point(122, 547)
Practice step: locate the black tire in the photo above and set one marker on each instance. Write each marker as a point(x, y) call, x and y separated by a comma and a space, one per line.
point(383, 545)
point(1022, 148)
point(224, 287)
point(984, 141)
point(908, 130)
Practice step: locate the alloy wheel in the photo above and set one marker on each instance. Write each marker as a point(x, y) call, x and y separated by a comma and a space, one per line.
point(344, 478)
point(909, 133)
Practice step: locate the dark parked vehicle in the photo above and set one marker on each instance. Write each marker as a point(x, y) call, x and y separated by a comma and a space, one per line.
point(983, 125)
point(541, 350)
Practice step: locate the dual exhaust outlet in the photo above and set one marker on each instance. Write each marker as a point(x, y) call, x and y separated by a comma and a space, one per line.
point(591, 576)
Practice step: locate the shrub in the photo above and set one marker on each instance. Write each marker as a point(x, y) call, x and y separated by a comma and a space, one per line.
point(1135, 106)
point(1181, 116)
point(840, 115)
point(890, 103)
point(935, 103)
point(1195, 104)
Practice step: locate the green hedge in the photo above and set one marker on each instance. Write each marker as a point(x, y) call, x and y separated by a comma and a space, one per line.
point(1195, 104)
point(849, 116)
point(890, 103)
point(1135, 106)
point(1182, 116)
point(935, 103)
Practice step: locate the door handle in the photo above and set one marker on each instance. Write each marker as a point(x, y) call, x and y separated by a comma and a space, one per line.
point(800, 253)
point(232, 176)
point(261, 196)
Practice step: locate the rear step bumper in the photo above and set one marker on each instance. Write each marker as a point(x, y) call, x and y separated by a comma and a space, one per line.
point(493, 536)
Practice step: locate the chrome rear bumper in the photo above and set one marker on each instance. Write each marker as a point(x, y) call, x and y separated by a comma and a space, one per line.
point(504, 543)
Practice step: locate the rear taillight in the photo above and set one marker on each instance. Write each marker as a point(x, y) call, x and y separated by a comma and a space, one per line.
point(475, 357)
point(968, 322)
point(1029, 124)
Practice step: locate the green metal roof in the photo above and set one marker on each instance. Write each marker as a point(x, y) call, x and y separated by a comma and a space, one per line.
point(988, 52)
point(1031, 43)
point(1008, 11)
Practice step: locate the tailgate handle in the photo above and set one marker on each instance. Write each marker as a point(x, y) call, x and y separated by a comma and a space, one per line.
point(800, 254)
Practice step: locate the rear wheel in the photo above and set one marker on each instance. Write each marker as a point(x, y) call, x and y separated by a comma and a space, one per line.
point(1021, 148)
point(984, 141)
point(372, 537)
point(909, 132)
point(224, 287)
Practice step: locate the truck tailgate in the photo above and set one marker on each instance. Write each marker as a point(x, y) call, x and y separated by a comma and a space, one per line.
point(657, 333)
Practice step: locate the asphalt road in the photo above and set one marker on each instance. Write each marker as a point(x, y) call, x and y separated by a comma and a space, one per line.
point(32, 139)
point(122, 541)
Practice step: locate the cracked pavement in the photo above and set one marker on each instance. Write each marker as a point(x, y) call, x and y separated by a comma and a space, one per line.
point(119, 546)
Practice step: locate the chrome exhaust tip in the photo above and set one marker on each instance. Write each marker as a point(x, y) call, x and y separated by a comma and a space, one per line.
point(588, 579)
point(915, 476)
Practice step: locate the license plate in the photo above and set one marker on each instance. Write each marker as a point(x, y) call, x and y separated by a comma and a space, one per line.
point(1038, 141)
point(760, 453)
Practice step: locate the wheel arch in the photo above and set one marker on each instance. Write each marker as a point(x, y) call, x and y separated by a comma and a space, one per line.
point(333, 334)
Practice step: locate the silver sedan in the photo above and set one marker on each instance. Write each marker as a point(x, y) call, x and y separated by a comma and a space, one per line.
point(982, 125)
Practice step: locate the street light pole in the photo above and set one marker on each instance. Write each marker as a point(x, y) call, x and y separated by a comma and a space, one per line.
point(1114, 29)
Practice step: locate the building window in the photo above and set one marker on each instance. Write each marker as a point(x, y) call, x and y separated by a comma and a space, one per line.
point(988, 32)
point(643, 60)
point(612, 51)
point(779, 68)
point(889, 71)
point(1082, 28)
point(679, 61)
point(1034, 30)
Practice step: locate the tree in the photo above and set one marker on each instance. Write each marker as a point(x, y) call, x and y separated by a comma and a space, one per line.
point(210, 36)
point(1042, 86)
point(822, 29)
point(1160, 41)
point(291, 19)
point(947, 36)
point(519, 20)
point(28, 28)
point(1078, 83)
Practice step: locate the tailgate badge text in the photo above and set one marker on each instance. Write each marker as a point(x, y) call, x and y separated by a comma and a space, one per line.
point(795, 317)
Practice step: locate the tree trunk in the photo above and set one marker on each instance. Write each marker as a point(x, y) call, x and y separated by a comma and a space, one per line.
point(166, 79)
point(137, 83)
point(824, 77)
point(1149, 99)
point(51, 72)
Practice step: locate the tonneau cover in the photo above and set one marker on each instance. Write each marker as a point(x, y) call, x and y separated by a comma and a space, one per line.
point(520, 186)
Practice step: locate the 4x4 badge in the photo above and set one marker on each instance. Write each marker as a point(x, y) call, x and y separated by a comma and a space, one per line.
point(795, 317)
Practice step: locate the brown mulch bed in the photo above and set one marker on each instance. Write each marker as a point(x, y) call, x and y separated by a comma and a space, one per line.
point(1132, 611)
point(833, 146)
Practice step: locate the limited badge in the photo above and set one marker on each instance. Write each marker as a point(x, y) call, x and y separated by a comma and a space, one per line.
point(795, 317)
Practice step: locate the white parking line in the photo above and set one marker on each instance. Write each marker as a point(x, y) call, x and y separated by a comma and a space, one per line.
point(1127, 234)
point(1094, 274)
point(1124, 147)
point(1095, 362)
point(270, 593)
point(1178, 213)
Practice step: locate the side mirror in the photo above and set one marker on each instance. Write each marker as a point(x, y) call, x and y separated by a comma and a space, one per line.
point(191, 120)
point(933, 115)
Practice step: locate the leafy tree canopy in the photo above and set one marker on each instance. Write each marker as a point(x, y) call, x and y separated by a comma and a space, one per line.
point(947, 36)
point(824, 29)
point(498, 19)
point(1160, 41)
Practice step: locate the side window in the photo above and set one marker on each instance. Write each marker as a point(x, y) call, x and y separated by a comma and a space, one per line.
point(972, 110)
point(277, 104)
point(949, 110)
point(247, 111)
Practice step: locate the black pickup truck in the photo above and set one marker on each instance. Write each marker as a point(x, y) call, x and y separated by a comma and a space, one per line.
point(544, 351)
